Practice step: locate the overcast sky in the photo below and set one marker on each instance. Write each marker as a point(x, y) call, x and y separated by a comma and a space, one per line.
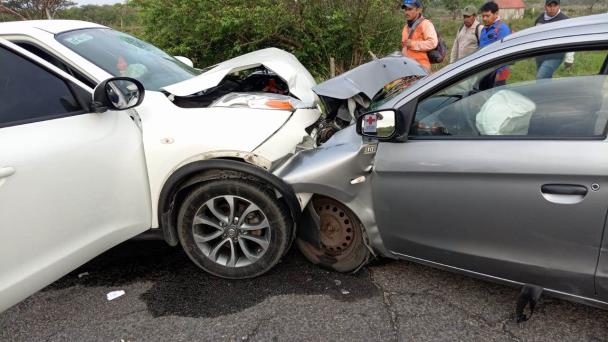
point(96, 2)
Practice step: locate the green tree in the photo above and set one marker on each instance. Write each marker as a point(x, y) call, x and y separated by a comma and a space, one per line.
point(209, 31)
point(33, 9)
point(119, 16)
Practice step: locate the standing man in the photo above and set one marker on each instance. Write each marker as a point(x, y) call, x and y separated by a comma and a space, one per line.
point(547, 65)
point(467, 38)
point(419, 35)
point(494, 30)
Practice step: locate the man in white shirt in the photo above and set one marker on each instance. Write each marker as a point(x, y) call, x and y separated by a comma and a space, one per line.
point(467, 38)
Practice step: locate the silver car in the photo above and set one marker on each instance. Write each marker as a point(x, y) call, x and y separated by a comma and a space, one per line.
point(507, 183)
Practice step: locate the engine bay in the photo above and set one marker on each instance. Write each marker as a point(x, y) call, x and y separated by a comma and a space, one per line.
point(256, 80)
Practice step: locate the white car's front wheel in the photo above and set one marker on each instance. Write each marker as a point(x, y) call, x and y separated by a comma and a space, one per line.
point(234, 228)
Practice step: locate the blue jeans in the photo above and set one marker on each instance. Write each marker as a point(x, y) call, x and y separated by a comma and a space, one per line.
point(547, 67)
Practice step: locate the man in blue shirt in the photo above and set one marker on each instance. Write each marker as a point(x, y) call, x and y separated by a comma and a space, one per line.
point(494, 30)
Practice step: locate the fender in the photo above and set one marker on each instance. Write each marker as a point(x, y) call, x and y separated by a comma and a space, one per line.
point(206, 170)
point(341, 169)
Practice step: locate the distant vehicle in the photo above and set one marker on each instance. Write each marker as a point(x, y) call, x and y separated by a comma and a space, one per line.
point(505, 183)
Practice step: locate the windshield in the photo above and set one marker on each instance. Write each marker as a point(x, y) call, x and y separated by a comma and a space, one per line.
point(123, 55)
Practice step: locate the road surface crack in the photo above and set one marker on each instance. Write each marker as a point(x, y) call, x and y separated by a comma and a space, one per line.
point(256, 329)
point(388, 305)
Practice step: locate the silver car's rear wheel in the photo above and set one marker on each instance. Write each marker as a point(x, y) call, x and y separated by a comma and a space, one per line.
point(234, 228)
point(231, 231)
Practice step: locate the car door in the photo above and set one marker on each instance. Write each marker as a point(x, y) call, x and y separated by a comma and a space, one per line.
point(72, 183)
point(508, 181)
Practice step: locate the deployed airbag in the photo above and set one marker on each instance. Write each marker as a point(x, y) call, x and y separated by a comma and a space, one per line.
point(505, 113)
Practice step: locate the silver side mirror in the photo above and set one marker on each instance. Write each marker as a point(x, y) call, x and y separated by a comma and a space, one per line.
point(117, 93)
point(380, 124)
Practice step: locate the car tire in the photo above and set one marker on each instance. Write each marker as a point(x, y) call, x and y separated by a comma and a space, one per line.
point(344, 246)
point(257, 236)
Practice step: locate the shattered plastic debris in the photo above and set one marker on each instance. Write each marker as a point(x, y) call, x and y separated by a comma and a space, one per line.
point(344, 292)
point(83, 274)
point(338, 283)
point(115, 294)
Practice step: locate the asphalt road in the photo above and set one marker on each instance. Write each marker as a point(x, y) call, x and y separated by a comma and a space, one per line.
point(167, 298)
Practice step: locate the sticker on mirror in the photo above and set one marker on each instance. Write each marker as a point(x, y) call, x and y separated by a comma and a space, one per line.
point(78, 39)
point(370, 123)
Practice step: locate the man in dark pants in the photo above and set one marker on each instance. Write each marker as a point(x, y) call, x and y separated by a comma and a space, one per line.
point(547, 65)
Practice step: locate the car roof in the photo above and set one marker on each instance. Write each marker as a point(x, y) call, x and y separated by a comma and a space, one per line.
point(50, 26)
point(591, 24)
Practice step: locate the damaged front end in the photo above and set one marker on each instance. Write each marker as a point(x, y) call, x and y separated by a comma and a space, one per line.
point(333, 182)
point(344, 98)
point(338, 228)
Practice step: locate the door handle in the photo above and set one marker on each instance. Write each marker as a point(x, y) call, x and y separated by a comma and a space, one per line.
point(564, 193)
point(6, 171)
point(564, 189)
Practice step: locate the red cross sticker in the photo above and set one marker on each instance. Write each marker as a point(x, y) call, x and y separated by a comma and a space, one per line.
point(370, 119)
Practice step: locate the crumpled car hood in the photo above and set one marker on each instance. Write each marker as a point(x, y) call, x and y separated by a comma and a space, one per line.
point(282, 63)
point(369, 78)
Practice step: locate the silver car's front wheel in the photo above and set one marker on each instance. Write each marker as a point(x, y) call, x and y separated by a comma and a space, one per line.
point(234, 228)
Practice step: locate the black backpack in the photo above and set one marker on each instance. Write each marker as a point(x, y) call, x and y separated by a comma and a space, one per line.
point(438, 54)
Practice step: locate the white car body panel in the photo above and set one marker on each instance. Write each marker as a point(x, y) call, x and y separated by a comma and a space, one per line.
point(53, 227)
point(285, 141)
point(282, 63)
point(174, 137)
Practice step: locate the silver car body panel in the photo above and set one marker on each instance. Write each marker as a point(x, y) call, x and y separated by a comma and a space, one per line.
point(330, 170)
point(601, 276)
point(554, 242)
point(478, 205)
point(369, 78)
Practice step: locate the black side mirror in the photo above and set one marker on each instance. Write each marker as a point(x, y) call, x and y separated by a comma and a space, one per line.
point(117, 93)
point(378, 124)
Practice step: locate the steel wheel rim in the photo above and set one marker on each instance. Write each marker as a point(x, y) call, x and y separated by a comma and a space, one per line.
point(231, 231)
point(337, 230)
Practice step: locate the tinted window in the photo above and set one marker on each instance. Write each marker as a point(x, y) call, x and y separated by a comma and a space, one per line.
point(522, 99)
point(56, 62)
point(30, 93)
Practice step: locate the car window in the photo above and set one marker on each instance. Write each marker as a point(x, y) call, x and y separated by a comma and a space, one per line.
point(30, 93)
point(123, 55)
point(536, 97)
point(56, 62)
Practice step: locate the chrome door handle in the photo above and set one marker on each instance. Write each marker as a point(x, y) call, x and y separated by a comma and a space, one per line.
point(564, 193)
point(7, 171)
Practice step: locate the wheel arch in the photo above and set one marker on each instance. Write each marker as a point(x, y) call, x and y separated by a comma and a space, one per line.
point(359, 202)
point(197, 172)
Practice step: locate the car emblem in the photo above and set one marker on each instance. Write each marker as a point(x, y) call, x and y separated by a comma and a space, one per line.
point(369, 149)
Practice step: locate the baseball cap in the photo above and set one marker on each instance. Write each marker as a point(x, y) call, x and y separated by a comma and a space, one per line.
point(548, 2)
point(469, 11)
point(411, 3)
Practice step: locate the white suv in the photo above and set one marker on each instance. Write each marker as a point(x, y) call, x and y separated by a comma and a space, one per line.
point(192, 160)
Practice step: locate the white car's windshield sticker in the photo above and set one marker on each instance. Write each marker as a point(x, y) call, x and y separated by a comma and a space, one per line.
point(78, 39)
